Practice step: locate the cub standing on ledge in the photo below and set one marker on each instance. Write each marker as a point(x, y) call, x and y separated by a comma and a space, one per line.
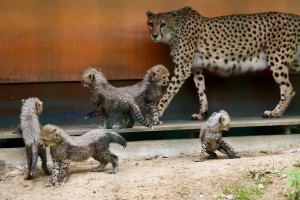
point(111, 103)
point(227, 45)
point(146, 93)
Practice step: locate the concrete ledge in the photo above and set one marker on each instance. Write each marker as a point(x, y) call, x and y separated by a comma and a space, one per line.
point(286, 122)
point(176, 147)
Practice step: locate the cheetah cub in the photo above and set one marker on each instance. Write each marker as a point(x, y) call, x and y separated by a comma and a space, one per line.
point(30, 128)
point(211, 136)
point(65, 148)
point(111, 103)
point(147, 92)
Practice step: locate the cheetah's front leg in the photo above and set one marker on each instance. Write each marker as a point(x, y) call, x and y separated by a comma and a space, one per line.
point(55, 172)
point(152, 114)
point(181, 73)
point(203, 104)
point(64, 168)
point(202, 153)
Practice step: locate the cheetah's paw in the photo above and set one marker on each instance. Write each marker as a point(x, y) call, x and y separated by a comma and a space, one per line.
point(200, 116)
point(199, 160)
point(111, 171)
point(271, 114)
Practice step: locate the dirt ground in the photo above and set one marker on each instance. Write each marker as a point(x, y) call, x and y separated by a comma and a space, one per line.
point(161, 178)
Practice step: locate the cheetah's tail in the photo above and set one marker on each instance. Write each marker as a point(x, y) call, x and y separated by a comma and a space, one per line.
point(32, 158)
point(115, 137)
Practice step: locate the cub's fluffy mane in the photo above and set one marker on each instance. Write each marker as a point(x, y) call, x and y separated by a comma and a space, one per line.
point(29, 108)
point(215, 120)
point(83, 140)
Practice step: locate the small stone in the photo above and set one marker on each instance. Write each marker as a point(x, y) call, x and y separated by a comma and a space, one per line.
point(293, 151)
point(230, 197)
point(201, 196)
point(260, 186)
point(283, 175)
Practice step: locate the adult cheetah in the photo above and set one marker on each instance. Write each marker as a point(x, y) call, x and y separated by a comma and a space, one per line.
point(227, 45)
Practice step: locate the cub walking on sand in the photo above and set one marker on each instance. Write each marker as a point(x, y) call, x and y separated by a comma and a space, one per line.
point(211, 136)
point(110, 102)
point(146, 93)
point(30, 128)
point(65, 148)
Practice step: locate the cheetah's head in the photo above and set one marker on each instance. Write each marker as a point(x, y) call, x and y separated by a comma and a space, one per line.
point(92, 76)
point(33, 104)
point(161, 26)
point(159, 75)
point(50, 135)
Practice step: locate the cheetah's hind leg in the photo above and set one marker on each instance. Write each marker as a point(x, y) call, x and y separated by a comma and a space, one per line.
point(100, 167)
point(212, 155)
point(231, 154)
point(280, 72)
point(113, 159)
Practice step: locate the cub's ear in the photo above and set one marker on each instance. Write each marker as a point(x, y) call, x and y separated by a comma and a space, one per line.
point(23, 100)
point(221, 119)
point(149, 13)
point(98, 69)
point(153, 74)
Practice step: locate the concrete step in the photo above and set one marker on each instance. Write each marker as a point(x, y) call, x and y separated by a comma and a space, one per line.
point(170, 148)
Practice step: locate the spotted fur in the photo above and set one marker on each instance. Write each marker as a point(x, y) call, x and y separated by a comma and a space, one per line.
point(227, 45)
point(147, 92)
point(30, 129)
point(110, 102)
point(211, 136)
point(65, 148)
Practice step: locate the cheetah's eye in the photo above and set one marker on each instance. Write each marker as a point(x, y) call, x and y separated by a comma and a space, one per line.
point(150, 24)
point(162, 25)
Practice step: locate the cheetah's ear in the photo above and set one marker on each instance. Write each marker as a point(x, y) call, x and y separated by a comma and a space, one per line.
point(174, 13)
point(98, 69)
point(23, 101)
point(149, 13)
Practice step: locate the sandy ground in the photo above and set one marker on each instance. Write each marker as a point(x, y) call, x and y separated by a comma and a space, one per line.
point(158, 178)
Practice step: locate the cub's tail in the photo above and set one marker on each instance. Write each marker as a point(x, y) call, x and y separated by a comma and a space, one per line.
point(32, 159)
point(137, 113)
point(115, 137)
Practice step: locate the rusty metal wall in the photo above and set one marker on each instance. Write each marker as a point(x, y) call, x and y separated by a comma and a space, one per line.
point(48, 41)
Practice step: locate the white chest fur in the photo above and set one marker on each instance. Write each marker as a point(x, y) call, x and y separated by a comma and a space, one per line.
point(230, 64)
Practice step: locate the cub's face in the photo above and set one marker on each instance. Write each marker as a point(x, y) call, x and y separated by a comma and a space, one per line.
point(88, 77)
point(49, 135)
point(160, 26)
point(92, 76)
point(160, 75)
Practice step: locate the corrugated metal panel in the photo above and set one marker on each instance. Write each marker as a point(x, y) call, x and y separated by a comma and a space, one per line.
point(55, 40)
